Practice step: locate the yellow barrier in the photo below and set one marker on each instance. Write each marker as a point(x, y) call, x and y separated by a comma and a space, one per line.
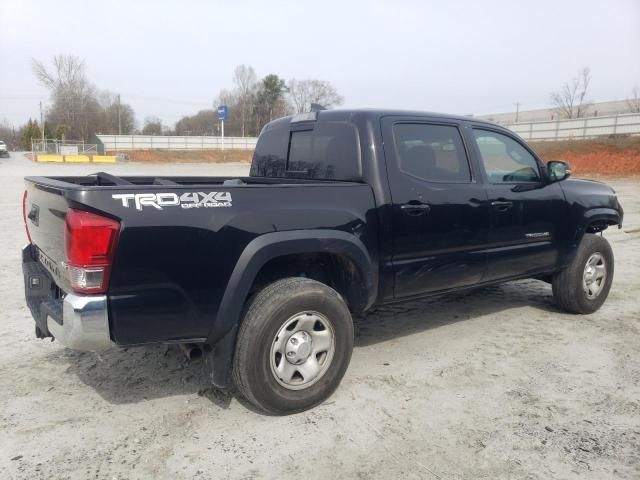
point(104, 159)
point(49, 158)
point(76, 158)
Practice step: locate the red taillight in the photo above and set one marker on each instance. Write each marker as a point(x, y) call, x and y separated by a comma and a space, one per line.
point(24, 214)
point(90, 244)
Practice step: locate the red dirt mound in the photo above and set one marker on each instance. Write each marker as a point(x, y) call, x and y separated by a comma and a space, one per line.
point(196, 156)
point(610, 156)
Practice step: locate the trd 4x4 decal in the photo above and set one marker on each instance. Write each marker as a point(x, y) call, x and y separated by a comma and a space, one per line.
point(186, 200)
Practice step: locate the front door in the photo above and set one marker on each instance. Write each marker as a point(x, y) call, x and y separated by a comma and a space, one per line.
point(526, 210)
point(440, 215)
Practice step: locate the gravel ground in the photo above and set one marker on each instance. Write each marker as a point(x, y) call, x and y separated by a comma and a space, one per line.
point(496, 383)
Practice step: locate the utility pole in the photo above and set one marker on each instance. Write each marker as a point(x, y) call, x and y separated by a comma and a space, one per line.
point(119, 123)
point(42, 123)
point(517, 104)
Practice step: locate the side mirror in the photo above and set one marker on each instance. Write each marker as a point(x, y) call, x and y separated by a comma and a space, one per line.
point(558, 170)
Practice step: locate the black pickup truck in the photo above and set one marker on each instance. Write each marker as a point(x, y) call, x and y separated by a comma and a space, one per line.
point(343, 210)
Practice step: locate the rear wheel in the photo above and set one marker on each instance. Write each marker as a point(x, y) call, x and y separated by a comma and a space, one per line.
point(294, 346)
point(584, 285)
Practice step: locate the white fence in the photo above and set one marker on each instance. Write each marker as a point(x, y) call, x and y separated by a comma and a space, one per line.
point(623, 124)
point(157, 142)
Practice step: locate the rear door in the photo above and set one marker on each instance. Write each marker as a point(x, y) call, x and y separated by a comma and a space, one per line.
point(526, 210)
point(440, 214)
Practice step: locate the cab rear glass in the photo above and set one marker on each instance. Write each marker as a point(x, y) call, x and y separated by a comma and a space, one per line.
point(323, 151)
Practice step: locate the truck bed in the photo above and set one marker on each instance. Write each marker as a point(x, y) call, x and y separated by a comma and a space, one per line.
point(181, 238)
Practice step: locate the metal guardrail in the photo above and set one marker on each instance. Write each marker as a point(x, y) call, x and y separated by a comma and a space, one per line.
point(117, 143)
point(588, 127)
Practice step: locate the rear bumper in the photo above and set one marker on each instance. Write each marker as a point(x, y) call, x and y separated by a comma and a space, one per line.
point(85, 323)
point(80, 322)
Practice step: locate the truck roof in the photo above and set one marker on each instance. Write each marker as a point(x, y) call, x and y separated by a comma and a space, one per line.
point(377, 113)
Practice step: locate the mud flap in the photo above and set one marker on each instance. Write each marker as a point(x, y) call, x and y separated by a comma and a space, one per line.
point(219, 360)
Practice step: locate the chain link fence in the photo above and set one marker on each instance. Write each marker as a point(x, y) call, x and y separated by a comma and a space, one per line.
point(62, 147)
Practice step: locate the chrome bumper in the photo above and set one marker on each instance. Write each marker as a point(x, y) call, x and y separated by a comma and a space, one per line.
point(80, 322)
point(85, 323)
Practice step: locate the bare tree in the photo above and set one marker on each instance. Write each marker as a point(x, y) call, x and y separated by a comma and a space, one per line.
point(570, 101)
point(78, 109)
point(74, 98)
point(202, 123)
point(305, 92)
point(67, 74)
point(633, 102)
point(152, 126)
point(115, 116)
point(245, 80)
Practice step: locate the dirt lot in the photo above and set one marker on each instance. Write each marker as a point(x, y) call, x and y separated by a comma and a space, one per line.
point(496, 383)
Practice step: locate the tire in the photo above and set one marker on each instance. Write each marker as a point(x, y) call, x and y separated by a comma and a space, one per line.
point(292, 318)
point(569, 284)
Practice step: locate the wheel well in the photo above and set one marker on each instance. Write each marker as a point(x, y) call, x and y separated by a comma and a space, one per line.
point(599, 225)
point(337, 271)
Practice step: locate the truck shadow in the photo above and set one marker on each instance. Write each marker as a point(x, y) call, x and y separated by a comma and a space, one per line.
point(412, 316)
point(132, 375)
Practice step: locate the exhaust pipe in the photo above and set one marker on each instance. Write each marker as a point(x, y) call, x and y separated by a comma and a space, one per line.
point(191, 350)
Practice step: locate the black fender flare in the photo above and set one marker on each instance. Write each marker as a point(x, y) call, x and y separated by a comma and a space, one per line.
point(609, 215)
point(256, 254)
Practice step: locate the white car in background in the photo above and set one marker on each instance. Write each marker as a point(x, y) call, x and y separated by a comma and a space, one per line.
point(4, 152)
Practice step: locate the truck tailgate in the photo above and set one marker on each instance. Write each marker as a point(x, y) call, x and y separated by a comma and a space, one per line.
point(45, 211)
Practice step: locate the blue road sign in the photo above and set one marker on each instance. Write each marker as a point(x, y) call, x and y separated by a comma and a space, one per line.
point(223, 112)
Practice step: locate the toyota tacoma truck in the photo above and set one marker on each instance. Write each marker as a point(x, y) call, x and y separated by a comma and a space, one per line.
point(341, 211)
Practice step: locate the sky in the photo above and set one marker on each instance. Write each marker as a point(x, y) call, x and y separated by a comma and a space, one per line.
point(171, 58)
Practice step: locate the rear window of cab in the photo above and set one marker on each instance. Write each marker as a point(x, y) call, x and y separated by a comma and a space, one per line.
point(323, 151)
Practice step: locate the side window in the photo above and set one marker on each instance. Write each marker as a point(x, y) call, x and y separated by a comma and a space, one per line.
point(434, 153)
point(505, 160)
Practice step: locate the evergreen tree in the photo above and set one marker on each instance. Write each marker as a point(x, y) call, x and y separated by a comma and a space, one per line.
point(30, 131)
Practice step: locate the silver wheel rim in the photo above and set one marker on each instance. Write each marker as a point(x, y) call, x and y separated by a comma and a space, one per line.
point(594, 276)
point(302, 350)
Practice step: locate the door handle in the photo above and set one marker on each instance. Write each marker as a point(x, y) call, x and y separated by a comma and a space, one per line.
point(415, 209)
point(501, 205)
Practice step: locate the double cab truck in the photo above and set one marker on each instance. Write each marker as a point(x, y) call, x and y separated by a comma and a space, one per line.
point(342, 211)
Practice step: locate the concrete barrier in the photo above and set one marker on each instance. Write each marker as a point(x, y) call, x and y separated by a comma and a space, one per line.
point(49, 158)
point(76, 158)
point(103, 159)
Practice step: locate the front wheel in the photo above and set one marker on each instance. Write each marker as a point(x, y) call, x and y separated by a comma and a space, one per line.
point(294, 346)
point(584, 285)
